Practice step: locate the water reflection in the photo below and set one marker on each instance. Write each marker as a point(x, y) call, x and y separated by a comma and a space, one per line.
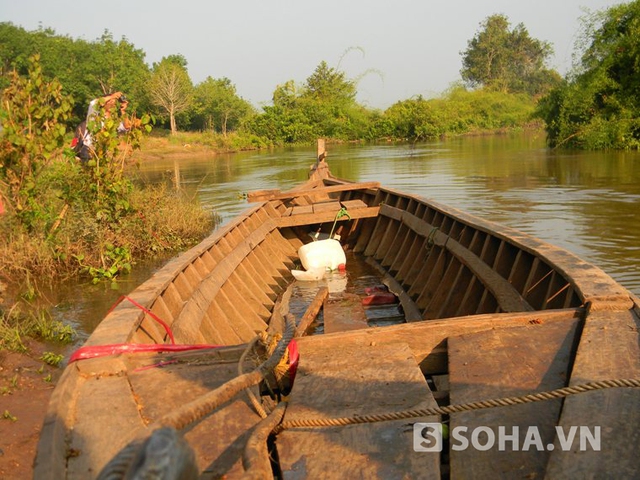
point(587, 202)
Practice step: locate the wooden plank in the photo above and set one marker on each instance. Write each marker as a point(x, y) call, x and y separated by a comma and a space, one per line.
point(219, 438)
point(426, 338)
point(53, 443)
point(302, 210)
point(323, 207)
point(591, 284)
point(353, 204)
point(343, 313)
point(260, 196)
point(356, 380)
point(609, 349)
point(504, 363)
point(311, 312)
point(191, 315)
point(102, 400)
point(315, 218)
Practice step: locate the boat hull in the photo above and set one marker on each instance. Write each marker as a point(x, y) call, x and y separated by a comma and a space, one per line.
point(490, 312)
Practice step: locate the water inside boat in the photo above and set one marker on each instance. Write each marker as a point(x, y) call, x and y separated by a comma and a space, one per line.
point(347, 292)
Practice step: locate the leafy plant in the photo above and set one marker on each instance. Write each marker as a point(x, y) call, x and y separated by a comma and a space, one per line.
point(53, 330)
point(33, 109)
point(51, 358)
point(27, 320)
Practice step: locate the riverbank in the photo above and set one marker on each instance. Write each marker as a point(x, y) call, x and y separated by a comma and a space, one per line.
point(26, 385)
point(160, 144)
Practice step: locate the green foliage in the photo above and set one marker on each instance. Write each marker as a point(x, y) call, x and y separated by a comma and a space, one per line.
point(598, 107)
point(33, 109)
point(84, 68)
point(324, 106)
point(115, 261)
point(329, 85)
point(507, 60)
point(51, 358)
point(218, 108)
point(30, 320)
point(458, 111)
point(52, 330)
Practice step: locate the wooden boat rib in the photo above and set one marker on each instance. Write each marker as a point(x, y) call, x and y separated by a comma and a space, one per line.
point(490, 312)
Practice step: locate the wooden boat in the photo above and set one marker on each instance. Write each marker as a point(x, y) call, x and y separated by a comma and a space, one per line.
point(488, 313)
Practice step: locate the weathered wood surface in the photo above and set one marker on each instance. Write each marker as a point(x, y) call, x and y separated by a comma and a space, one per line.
point(299, 219)
point(312, 311)
point(344, 312)
point(263, 195)
point(427, 338)
point(355, 380)
point(219, 438)
point(330, 206)
point(609, 349)
point(115, 400)
point(505, 363)
point(509, 299)
point(53, 442)
point(106, 418)
point(353, 204)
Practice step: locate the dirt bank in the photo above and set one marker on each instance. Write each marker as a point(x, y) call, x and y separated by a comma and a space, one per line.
point(26, 384)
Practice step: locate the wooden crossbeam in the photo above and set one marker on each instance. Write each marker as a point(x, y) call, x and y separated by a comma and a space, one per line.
point(264, 195)
point(323, 217)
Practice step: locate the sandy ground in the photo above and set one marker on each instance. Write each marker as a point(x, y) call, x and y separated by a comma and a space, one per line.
point(26, 384)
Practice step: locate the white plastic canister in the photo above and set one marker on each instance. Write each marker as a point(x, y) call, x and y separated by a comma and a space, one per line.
point(322, 254)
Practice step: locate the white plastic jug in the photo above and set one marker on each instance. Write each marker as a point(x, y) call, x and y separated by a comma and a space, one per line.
point(322, 254)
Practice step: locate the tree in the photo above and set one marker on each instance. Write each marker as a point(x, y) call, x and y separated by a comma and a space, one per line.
point(85, 69)
point(170, 88)
point(599, 104)
point(507, 60)
point(218, 107)
point(329, 85)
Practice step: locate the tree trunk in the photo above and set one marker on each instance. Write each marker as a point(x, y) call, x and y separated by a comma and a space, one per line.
point(224, 124)
point(172, 121)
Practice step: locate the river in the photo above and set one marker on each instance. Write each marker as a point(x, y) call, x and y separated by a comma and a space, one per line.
point(586, 202)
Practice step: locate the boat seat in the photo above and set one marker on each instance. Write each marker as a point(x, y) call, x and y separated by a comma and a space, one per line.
point(338, 379)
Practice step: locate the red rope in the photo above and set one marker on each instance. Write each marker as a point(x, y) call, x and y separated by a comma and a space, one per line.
point(94, 351)
point(166, 327)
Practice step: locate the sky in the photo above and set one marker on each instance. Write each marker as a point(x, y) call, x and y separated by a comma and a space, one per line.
point(393, 49)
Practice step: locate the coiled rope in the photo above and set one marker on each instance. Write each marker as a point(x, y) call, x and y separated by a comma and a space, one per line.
point(465, 407)
point(200, 407)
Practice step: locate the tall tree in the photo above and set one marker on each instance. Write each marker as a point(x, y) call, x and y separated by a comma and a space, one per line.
point(507, 60)
point(218, 107)
point(170, 88)
point(329, 84)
